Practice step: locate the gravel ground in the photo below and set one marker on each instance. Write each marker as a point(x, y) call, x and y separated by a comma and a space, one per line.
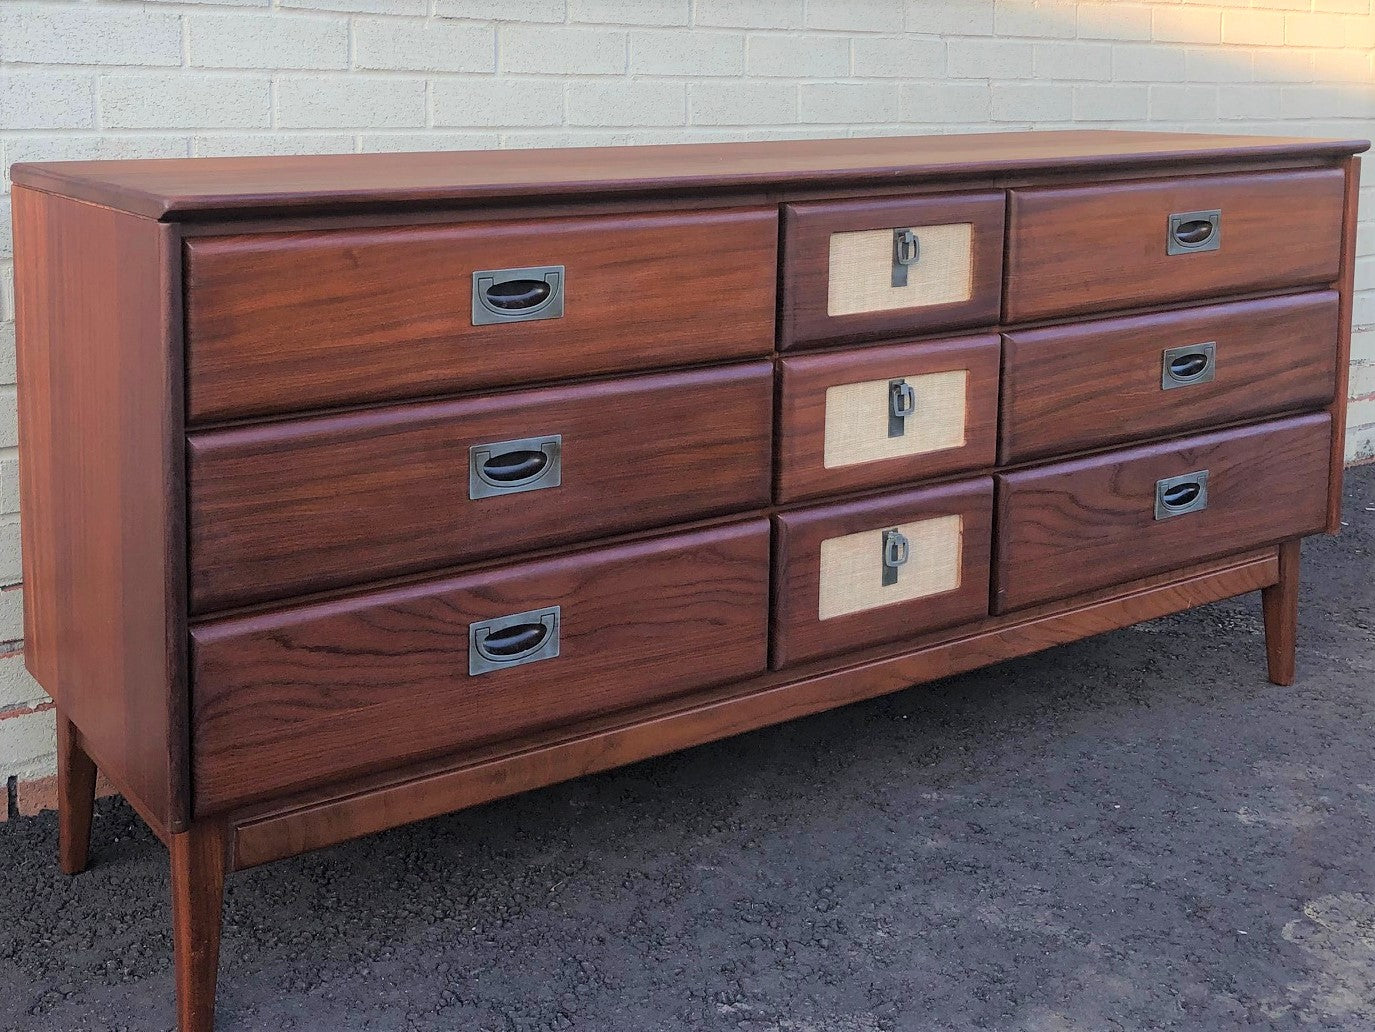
point(1132, 832)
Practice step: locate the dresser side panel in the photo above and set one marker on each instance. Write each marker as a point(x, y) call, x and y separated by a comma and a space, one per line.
point(1346, 286)
point(100, 484)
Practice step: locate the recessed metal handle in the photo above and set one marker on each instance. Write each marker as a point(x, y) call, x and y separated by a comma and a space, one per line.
point(902, 402)
point(511, 641)
point(906, 253)
point(1187, 365)
point(1175, 496)
point(510, 467)
point(1194, 231)
point(517, 295)
point(896, 551)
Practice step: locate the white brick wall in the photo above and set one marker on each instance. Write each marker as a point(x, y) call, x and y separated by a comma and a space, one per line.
point(118, 79)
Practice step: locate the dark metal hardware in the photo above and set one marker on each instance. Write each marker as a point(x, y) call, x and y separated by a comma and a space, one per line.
point(510, 467)
point(1175, 496)
point(1194, 231)
point(517, 295)
point(511, 641)
point(906, 252)
point(1187, 365)
point(896, 551)
point(902, 402)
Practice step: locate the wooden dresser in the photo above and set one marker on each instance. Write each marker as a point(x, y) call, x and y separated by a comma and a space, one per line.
point(359, 489)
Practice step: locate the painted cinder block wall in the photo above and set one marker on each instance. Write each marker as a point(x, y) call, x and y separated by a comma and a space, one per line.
point(116, 79)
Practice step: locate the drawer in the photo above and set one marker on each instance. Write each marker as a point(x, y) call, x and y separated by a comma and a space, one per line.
point(841, 421)
point(1088, 248)
point(859, 270)
point(861, 573)
point(282, 509)
point(1067, 388)
point(285, 700)
point(283, 322)
point(1075, 526)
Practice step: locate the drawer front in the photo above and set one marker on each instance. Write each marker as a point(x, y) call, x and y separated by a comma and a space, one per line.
point(886, 415)
point(284, 322)
point(1084, 249)
point(862, 573)
point(858, 270)
point(1074, 387)
point(1075, 526)
point(283, 509)
point(285, 700)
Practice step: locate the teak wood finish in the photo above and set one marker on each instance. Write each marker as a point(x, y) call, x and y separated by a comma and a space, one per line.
point(1084, 385)
point(387, 313)
point(807, 230)
point(287, 699)
point(385, 492)
point(1072, 250)
point(803, 383)
point(259, 629)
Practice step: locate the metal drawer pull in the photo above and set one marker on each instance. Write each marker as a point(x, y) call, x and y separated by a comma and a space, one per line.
point(514, 295)
point(1187, 365)
point(517, 295)
point(1175, 496)
point(510, 467)
point(511, 641)
point(1194, 231)
point(906, 252)
point(902, 402)
point(896, 551)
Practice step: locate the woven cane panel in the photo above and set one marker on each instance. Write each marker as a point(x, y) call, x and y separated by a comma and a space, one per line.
point(852, 567)
point(861, 277)
point(857, 419)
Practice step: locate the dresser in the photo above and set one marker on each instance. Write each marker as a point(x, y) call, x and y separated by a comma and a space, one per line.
point(359, 489)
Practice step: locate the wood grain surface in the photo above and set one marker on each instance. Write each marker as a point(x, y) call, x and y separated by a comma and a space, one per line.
point(191, 188)
point(805, 272)
point(287, 699)
point(1094, 248)
point(283, 322)
point(287, 508)
point(1071, 526)
point(1090, 384)
point(101, 486)
point(1345, 283)
point(798, 632)
point(289, 827)
point(200, 858)
point(804, 380)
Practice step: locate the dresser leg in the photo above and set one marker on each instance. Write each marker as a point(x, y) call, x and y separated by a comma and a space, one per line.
point(75, 798)
point(199, 858)
point(1280, 606)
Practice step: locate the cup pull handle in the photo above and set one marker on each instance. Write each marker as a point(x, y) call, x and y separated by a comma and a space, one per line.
point(514, 466)
point(510, 467)
point(1187, 365)
point(517, 295)
point(1175, 496)
point(1194, 231)
point(511, 641)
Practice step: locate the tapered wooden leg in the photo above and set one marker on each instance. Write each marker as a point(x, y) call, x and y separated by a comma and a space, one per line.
point(1280, 606)
point(75, 798)
point(198, 865)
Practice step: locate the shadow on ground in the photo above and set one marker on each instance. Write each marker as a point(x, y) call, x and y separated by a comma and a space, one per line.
point(1133, 832)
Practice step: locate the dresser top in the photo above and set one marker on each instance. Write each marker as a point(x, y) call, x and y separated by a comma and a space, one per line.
point(190, 188)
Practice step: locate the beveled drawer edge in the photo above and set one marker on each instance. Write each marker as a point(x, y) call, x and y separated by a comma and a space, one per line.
point(287, 826)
